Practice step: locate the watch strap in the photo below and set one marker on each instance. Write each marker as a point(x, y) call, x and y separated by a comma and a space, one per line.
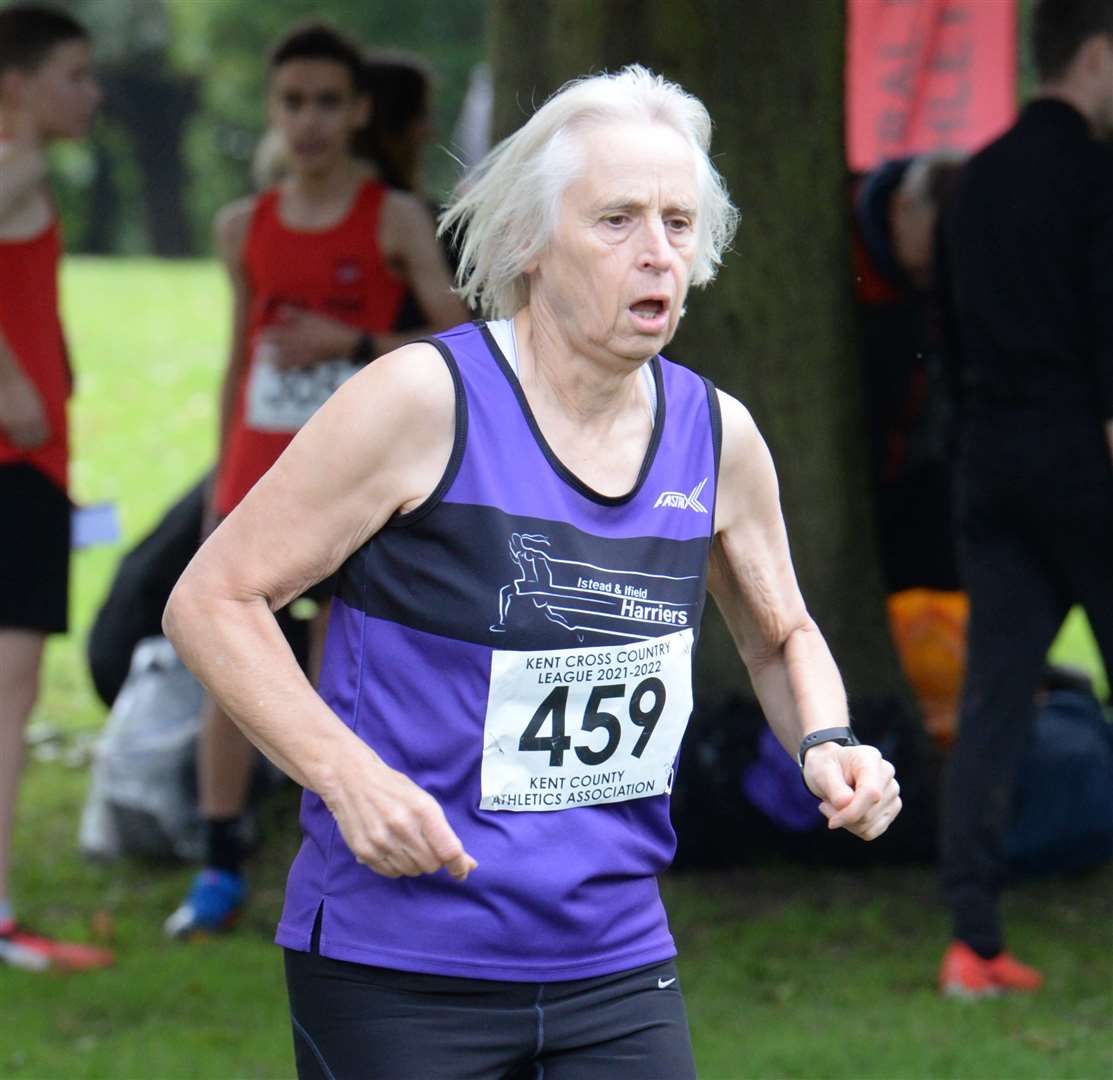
point(844, 736)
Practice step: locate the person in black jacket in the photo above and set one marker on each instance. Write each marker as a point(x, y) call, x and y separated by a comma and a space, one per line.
point(1029, 247)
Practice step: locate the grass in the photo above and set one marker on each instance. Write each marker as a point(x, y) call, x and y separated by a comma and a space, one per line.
point(788, 972)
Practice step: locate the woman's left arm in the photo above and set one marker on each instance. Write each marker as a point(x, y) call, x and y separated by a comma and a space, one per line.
point(791, 668)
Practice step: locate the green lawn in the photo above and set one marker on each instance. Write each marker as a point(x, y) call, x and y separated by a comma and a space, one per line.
point(788, 972)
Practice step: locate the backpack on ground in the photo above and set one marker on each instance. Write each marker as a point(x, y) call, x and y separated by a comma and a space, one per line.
point(142, 799)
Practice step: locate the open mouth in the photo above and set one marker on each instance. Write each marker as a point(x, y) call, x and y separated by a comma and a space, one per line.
point(651, 312)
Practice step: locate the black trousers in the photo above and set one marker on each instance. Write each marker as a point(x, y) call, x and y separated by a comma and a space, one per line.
point(355, 1022)
point(1035, 528)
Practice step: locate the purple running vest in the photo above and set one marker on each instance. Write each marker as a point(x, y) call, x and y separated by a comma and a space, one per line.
point(512, 554)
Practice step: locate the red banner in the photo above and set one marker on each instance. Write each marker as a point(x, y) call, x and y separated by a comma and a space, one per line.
point(927, 74)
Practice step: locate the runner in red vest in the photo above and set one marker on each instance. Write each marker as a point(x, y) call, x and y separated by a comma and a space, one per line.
point(319, 266)
point(47, 92)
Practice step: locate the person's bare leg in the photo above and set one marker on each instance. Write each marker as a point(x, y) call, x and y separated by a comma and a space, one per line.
point(225, 761)
point(20, 661)
point(317, 633)
point(20, 657)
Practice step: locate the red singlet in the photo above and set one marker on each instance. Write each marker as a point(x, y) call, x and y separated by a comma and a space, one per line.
point(33, 329)
point(338, 271)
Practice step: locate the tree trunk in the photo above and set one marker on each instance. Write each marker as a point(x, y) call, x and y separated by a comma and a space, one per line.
point(777, 329)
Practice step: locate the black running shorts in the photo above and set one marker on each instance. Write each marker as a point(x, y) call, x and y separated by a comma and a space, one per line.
point(353, 1021)
point(34, 551)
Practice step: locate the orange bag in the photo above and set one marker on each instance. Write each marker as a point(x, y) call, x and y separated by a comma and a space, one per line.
point(929, 631)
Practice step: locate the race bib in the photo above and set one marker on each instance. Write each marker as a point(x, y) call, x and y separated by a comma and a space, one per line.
point(283, 399)
point(581, 727)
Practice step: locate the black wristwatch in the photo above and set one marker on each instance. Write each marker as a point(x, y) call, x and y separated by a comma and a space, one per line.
point(363, 351)
point(844, 736)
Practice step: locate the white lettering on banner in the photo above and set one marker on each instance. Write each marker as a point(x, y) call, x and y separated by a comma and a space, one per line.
point(283, 399)
point(580, 727)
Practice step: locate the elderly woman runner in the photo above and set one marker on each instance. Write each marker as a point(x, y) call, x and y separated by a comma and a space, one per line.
point(526, 515)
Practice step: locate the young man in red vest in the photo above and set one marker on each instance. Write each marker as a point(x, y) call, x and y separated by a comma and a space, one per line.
point(319, 265)
point(47, 92)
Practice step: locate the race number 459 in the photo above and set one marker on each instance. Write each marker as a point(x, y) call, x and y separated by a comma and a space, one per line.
point(573, 727)
point(553, 711)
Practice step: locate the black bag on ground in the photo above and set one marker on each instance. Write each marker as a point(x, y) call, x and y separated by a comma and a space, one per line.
point(1063, 806)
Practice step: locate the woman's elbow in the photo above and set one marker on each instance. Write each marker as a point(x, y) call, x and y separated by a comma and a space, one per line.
point(182, 609)
point(171, 616)
point(775, 639)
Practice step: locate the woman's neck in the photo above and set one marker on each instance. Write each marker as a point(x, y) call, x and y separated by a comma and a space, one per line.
point(584, 387)
point(334, 183)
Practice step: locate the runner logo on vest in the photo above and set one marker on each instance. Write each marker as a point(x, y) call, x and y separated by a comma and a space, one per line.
point(679, 501)
point(583, 597)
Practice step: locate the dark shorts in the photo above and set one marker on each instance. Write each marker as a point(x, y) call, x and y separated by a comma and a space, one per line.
point(34, 551)
point(355, 1021)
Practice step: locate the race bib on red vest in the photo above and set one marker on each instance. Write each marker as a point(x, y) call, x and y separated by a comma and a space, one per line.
point(283, 399)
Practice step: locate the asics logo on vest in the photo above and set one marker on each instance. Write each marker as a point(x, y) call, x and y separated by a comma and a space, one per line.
point(681, 501)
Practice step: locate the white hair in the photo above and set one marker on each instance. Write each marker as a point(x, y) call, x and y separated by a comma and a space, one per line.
point(506, 210)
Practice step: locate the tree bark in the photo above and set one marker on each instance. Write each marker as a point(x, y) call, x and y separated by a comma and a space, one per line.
point(777, 329)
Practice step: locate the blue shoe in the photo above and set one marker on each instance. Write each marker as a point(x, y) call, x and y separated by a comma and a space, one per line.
point(213, 905)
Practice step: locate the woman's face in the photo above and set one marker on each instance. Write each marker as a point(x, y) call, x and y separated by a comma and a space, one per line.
point(615, 273)
point(62, 94)
point(317, 110)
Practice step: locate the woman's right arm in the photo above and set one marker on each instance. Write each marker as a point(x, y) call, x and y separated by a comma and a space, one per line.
point(23, 171)
point(379, 445)
point(22, 413)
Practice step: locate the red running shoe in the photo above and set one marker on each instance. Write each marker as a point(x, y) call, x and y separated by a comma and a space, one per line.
point(32, 952)
point(964, 974)
point(1011, 975)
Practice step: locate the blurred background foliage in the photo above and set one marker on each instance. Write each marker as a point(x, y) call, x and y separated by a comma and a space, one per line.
point(185, 105)
point(185, 83)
